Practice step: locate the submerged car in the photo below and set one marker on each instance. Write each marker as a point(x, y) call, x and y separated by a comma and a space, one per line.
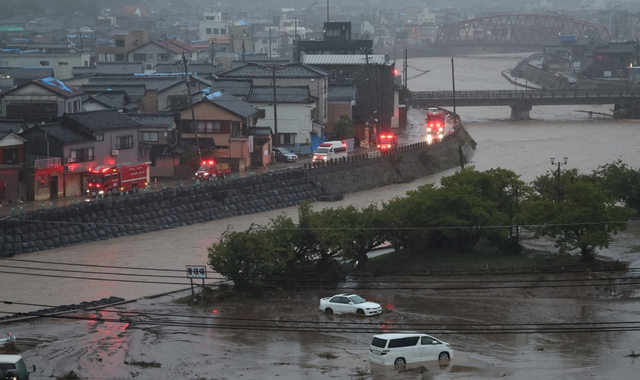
point(283, 154)
point(349, 303)
point(402, 348)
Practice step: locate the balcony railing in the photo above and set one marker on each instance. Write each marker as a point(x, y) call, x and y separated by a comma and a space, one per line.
point(48, 163)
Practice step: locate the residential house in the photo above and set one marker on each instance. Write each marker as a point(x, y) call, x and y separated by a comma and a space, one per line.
point(23, 75)
point(341, 101)
point(223, 122)
point(374, 75)
point(11, 159)
point(157, 134)
point(100, 102)
point(213, 25)
point(130, 95)
point(121, 45)
point(41, 100)
point(288, 75)
point(154, 52)
point(60, 63)
point(294, 107)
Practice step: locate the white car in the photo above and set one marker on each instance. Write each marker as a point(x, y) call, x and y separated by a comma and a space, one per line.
point(402, 348)
point(349, 303)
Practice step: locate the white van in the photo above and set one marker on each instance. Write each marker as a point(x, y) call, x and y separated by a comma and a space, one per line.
point(13, 367)
point(330, 150)
point(400, 349)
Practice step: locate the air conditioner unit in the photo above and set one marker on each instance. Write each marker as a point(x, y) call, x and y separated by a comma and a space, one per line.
point(71, 159)
point(115, 152)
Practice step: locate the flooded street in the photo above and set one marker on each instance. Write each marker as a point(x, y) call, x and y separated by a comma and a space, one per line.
point(155, 338)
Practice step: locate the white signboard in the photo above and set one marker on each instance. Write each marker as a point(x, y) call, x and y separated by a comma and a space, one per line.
point(250, 144)
point(196, 271)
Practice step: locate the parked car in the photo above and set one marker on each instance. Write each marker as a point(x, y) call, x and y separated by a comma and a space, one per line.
point(349, 303)
point(284, 154)
point(402, 348)
point(13, 367)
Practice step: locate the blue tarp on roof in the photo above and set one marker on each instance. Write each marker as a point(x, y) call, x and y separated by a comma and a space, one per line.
point(214, 95)
point(56, 83)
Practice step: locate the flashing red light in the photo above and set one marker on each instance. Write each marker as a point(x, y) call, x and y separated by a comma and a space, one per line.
point(105, 170)
point(396, 72)
point(97, 185)
point(216, 311)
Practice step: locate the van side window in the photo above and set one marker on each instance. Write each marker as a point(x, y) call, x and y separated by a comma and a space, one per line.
point(404, 342)
point(429, 341)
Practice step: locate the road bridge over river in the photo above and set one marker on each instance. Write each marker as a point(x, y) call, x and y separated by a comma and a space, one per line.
point(522, 101)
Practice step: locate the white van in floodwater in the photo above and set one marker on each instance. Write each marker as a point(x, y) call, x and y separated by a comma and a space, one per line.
point(12, 367)
point(400, 349)
point(330, 150)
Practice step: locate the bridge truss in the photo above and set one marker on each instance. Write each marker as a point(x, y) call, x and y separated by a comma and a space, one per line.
point(526, 29)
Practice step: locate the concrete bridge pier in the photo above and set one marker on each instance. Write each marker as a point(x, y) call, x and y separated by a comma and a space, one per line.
point(520, 112)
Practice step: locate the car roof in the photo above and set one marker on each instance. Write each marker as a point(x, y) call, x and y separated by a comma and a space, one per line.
point(10, 358)
point(398, 335)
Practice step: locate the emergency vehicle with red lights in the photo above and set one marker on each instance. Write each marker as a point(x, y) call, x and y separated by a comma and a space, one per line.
point(387, 141)
point(209, 170)
point(330, 151)
point(435, 122)
point(118, 178)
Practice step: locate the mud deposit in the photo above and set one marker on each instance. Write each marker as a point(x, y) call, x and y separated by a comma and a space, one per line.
point(288, 337)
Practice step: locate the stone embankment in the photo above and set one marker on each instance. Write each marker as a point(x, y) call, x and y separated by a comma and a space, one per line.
point(169, 208)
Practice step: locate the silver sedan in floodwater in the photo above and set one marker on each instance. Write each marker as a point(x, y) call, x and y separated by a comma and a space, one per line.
point(349, 303)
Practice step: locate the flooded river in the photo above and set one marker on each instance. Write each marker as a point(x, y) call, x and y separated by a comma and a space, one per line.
point(112, 348)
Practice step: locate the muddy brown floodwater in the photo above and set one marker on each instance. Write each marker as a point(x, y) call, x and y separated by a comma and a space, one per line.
point(166, 340)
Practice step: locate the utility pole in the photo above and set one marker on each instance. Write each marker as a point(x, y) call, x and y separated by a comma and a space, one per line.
point(406, 67)
point(185, 62)
point(453, 82)
point(327, 10)
point(275, 108)
point(269, 43)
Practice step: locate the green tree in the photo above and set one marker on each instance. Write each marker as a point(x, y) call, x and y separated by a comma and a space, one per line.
point(585, 219)
point(620, 181)
point(248, 258)
point(344, 128)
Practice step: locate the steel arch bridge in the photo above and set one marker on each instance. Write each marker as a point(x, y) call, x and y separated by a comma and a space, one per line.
point(525, 29)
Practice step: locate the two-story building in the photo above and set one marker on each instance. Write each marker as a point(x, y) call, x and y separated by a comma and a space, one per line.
point(41, 100)
point(157, 134)
point(11, 159)
point(223, 122)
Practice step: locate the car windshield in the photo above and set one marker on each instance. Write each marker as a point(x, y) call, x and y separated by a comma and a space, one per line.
point(204, 168)
point(322, 150)
point(382, 343)
point(284, 151)
point(357, 299)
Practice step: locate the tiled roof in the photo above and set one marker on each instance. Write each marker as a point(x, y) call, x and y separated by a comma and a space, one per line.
point(133, 91)
point(342, 93)
point(292, 70)
point(156, 120)
point(231, 104)
point(264, 94)
point(58, 87)
point(81, 70)
point(150, 82)
point(236, 87)
point(260, 131)
point(105, 101)
point(119, 68)
point(343, 59)
point(27, 72)
point(102, 120)
point(198, 68)
point(10, 125)
point(66, 133)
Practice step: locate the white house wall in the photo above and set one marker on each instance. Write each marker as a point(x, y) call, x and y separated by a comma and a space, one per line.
point(61, 63)
point(292, 118)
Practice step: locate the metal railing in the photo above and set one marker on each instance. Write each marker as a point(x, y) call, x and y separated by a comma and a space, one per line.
point(48, 163)
point(520, 94)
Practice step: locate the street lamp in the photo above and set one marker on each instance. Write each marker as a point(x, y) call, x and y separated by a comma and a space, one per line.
point(184, 62)
point(559, 163)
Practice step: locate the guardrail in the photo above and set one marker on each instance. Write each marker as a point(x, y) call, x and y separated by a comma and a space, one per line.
point(520, 94)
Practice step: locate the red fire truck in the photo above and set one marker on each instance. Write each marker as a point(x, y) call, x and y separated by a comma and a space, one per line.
point(435, 122)
point(387, 141)
point(209, 170)
point(119, 178)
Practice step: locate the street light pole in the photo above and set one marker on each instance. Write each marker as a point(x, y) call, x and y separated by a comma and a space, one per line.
point(185, 62)
point(559, 163)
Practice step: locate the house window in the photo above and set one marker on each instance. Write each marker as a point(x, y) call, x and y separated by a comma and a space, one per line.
point(208, 30)
point(223, 31)
point(139, 57)
point(235, 129)
point(119, 57)
point(69, 107)
point(105, 57)
point(119, 43)
point(44, 63)
point(82, 155)
point(63, 63)
point(333, 75)
point(348, 75)
point(150, 136)
point(76, 106)
point(124, 142)
point(286, 138)
point(10, 156)
point(163, 57)
point(99, 136)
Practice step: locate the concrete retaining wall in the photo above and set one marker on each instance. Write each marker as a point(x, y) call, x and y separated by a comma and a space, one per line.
point(410, 162)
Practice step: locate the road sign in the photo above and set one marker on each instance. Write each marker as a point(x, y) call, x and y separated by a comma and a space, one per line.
point(196, 271)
